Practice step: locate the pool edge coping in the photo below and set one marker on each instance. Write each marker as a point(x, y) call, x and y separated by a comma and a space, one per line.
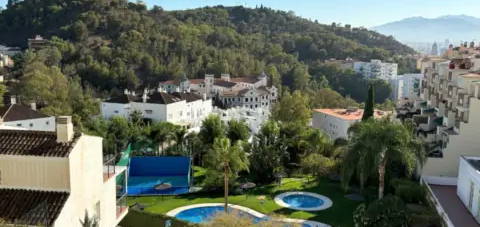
point(327, 202)
point(174, 212)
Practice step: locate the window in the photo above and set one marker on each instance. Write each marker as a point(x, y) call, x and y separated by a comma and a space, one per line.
point(31, 125)
point(47, 123)
point(246, 99)
point(19, 125)
point(116, 111)
point(148, 111)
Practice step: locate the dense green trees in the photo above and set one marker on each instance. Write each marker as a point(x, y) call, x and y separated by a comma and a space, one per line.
point(115, 44)
point(267, 153)
point(228, 160)
point(375, 144)
point(369, 110)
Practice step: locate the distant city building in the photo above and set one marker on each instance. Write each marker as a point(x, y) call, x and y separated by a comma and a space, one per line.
point(377, 69)
point(434, 51)
point(250, 92)
point(181, 108)
point(57, 178)
point(37, 43)
point(406, 86)
point(336, 122)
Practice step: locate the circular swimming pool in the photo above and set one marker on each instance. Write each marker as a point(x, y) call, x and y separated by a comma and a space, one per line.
point(306, 201)
point(201, 213)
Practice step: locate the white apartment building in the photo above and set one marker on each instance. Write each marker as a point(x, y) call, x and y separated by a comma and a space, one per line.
point(406, 86)
point(16, 115)
point(336, 122)
point(187, 109)
point(254, 118)
point(55, 178)
point(446, 114)
point(377, 69)
point(226, 91)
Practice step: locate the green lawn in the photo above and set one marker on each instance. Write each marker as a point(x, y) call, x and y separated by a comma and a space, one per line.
point(340, 214)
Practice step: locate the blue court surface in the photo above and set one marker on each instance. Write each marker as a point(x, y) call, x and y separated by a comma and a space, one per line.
point(146, 173)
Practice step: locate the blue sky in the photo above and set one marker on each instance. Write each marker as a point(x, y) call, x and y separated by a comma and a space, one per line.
point(356, 12)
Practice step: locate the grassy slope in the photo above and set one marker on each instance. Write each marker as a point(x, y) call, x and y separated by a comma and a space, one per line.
point(339, 215)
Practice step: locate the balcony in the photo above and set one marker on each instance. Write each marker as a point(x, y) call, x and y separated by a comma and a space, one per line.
point(110, 170)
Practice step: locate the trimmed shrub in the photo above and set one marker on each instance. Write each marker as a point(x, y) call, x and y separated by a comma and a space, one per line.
point(389, 211)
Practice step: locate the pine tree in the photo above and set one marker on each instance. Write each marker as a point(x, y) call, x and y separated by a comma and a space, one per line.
point(370, 104)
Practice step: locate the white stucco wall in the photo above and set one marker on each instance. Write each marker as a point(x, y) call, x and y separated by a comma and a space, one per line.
point(467, 142)
point(333, 126)
point(87, 186)
point(34, 172)
point(468, 177)
point(115, 109)
point(38, 124)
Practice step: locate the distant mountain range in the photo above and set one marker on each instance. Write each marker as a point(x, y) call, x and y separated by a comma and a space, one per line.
point(456, 28)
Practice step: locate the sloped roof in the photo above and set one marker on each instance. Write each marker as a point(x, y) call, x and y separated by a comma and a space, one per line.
point(28, 207)
point(17, 112)
point(245, 79)
point(188, 96)
point(123, 98)
point(34, 143)
point(162, 98)
point(224, 83)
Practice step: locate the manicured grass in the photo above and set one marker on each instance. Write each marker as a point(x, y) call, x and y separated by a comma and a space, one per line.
point(339, 215)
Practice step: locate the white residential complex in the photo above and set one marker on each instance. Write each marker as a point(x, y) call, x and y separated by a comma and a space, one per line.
point(406, 86)
point(336, 122)
point(182, 108)
point(446, 113)
point(254, 118)
point(55, 178)
point(376, 69)
point(249, 92)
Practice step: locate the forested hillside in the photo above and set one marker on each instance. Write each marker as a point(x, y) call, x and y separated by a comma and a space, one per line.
point(112, 44)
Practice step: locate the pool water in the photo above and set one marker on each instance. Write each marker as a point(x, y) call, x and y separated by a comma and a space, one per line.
point(204, 214)
point(302, 201)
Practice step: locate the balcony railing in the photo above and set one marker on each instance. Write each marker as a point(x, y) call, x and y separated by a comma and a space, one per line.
point(109, 169)
point(121, 206)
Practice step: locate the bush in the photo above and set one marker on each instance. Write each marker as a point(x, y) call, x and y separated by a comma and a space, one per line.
point(389, 211)
point(409, 191)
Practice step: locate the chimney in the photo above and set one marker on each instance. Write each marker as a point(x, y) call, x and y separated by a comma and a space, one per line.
point(225, 76)
point(13, 100)
point(33, 106)
point(125, 92)
point(64, 129)
point(144, 97)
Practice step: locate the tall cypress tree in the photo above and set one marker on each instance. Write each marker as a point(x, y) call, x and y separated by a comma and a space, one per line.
point(370, 104)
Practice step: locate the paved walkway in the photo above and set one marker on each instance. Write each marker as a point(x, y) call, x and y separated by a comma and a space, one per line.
point(453, 206)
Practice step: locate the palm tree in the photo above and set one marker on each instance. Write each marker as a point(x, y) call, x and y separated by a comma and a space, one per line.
point(374, 144)
point(228, 159)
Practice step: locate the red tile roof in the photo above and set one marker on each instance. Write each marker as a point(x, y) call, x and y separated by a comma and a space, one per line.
point(28, 207)
point(349, 115)
point(33, 143)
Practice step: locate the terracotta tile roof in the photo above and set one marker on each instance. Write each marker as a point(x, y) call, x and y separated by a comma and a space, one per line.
point(197, 81)
point(349, 115)
point(169, 82)
point(33, 143)
point(224, 83)
point(188, 96)
point(245, 79)
point(17, 112)
point(27, 207)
